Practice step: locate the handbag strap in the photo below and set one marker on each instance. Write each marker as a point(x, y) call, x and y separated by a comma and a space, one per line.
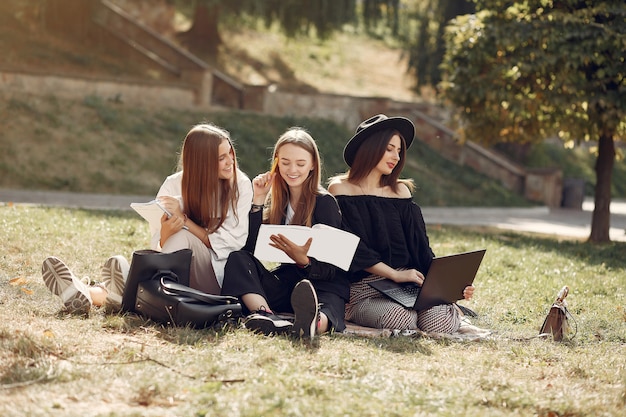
point(165, 273)
point(560, 297)
point(561, 303)
point(172, 287)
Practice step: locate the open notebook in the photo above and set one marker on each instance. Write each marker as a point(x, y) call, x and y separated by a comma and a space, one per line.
point(331, 245)
point(444, 284)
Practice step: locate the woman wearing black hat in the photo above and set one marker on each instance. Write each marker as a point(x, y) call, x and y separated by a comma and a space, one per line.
point(378, 207)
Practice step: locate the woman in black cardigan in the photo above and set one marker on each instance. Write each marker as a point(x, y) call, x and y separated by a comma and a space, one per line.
point(378, 207)
point(290, 193)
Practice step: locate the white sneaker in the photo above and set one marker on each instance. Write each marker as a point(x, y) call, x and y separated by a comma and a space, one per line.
point(114, 274)
point(267, 323)
point(467, 328)
point(62, 282)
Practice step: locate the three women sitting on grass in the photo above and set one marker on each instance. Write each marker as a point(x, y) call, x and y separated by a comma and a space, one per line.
point(369, 200)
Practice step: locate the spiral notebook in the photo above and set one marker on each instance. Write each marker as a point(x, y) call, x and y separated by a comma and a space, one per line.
point(444, 284)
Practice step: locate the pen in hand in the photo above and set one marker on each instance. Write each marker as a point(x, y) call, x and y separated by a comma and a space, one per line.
point(272, 171)
point(169, 215)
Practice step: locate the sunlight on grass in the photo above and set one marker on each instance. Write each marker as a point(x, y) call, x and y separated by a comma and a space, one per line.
point(55, 363)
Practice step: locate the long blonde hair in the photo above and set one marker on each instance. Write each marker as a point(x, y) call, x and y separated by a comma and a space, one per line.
point(278, 199)
point(206, 197)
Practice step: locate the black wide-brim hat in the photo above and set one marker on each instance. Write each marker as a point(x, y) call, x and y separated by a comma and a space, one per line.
point(374, 124)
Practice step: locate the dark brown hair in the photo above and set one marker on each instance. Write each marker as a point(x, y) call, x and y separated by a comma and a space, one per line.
point(370, 153)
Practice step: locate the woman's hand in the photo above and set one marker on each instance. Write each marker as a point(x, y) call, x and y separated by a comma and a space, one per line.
point(261, 185)
point(468, 292)
point(296, 252)
point(173, 224)
point(172, 205)
point(170, 226)
point(409, 275)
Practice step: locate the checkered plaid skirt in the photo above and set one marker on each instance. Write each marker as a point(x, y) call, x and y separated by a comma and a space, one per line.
point(368, 307)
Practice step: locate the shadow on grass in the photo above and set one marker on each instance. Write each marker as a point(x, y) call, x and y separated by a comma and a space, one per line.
point(180, 335)
point(400, 344)
point(610, 254)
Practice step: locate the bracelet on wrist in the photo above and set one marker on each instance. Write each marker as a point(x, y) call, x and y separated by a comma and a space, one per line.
point(257, 206)
point(308, 264)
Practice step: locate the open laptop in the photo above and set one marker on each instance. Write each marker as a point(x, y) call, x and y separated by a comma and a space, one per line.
point(444, 284)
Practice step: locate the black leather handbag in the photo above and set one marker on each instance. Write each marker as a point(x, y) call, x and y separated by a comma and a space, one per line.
point(159, 290)
point(145, 263)
point(164, 300)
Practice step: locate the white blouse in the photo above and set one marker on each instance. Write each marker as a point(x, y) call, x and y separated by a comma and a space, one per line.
point(231, 235)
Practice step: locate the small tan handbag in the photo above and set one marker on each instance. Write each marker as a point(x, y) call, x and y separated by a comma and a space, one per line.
point(557, 321)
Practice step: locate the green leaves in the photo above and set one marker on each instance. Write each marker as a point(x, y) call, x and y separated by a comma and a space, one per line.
point(559, 66)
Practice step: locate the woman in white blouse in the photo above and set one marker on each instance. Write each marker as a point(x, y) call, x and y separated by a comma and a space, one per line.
point(208, 199)
point(207, 185)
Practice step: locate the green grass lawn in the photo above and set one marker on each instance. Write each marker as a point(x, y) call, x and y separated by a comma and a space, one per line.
point(111, 365)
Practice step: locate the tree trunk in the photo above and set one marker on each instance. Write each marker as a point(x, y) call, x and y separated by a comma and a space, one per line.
point(69, 17)
point(601, 219)
point(203, 38)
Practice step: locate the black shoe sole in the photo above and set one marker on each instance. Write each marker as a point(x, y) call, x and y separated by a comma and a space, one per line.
point(305, 308)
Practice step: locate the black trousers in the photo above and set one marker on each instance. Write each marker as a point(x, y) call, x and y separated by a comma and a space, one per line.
point(245, 274)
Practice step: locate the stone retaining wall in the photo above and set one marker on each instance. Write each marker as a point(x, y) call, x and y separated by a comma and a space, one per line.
point(81, 87)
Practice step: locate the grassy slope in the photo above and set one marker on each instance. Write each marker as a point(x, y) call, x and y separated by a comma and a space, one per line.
point(98, 146)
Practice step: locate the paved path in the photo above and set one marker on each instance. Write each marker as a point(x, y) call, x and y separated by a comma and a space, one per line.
point(558, 222)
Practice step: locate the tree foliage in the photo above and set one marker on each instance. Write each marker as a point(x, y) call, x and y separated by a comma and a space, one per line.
point(427, 48)
point(524, 71)
point(319, 18)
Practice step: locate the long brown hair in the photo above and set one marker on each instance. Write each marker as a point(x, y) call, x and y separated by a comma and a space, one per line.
point(369, 155)
point(206, 197)
point(279, 196)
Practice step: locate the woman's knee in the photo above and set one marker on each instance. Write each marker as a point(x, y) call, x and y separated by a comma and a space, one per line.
point(239, 256)
point(182, 239)
point(238, 259)
point(439, 319)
